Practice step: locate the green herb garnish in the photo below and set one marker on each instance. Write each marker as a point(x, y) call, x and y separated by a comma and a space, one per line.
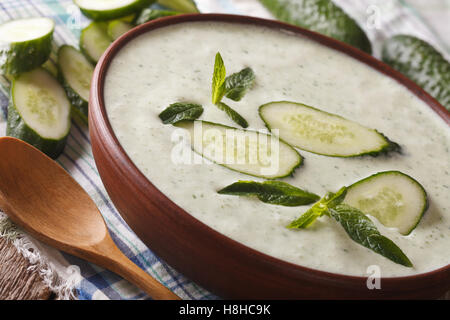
point(357, 225)
point(362, 230)
point(218, 80)
point(236, 117)
point(181, 111)
point(273, 192)
point(318, 209)
point(238, 84)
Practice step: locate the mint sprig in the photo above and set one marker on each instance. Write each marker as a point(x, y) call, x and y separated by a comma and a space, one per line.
point(218, 80)
point(357, 225)
point(273, 192)
point(239, 83)
point(233, 114)
point(318, 209)
point(181, 111)
point(362, 230)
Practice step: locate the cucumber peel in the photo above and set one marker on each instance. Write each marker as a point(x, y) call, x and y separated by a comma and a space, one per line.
point(394, 198)
point(320, 132)
point(110, 9)
point(75, 73)
point(250, 152)
point(39, 112)
point(25, 44)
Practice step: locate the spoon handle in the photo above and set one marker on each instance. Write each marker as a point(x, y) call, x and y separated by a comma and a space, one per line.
point(124, 267)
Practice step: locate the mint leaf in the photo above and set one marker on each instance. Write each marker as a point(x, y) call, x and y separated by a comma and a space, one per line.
point(320, 208)
point(238, 83)
point(234, 115)
point(218, 80)
point(181, 111)
point(362, 230)
point(273, 192)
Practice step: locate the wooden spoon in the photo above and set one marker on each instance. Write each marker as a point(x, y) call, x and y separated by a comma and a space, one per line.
point(40, 196)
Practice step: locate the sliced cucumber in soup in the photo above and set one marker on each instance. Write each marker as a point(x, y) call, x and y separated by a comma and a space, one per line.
point(110, 9)
point(250, 152)
point(185, 6)
point(75, 73)
point(116, 28)
point(394, 198)
point(321, 132)
point(39, 112)
point(25, 44)
point(94, 40)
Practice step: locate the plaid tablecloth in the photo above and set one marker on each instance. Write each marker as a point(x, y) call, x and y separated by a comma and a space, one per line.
point(65, 273)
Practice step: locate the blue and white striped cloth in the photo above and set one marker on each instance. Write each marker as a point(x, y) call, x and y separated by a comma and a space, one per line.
point(77, 159)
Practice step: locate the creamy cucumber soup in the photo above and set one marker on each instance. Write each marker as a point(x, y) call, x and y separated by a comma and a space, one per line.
point(175, 64)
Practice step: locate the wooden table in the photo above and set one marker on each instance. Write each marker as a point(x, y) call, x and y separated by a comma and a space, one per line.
point(16, 281)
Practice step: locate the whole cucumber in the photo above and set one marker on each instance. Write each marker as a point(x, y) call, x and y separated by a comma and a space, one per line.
point(420, 62)
point(321, 16)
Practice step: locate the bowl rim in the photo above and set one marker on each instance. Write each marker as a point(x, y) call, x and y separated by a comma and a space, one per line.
point(97, 105)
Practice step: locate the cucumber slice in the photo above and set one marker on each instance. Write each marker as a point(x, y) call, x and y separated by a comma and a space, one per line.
point(185, 6)
point(25, 44)
point(94, 40)
point(394, 198)
point(110, 9)
point(75, 73)
point(321, 132)
point(321, 16)
point(148, 14)
point(39, 112)
point(420, 62)
point(116, 28)
point(250, 152)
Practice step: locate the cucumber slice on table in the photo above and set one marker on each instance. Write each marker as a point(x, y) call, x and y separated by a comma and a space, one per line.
point(39, 112)
point(420, 62)
point(253, 153)
point(321, 132)
point(75, 73)
point(394, 198)
point(116, 28)
point(148, 14)
point(321, 16)
point(110, 9)
point(185, 6)
point(94, 40)
point(25, 44)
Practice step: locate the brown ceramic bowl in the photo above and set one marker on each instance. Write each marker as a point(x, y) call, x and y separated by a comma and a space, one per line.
point(218, 263)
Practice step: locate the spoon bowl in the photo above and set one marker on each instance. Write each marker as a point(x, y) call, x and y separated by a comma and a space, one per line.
point(41, 197)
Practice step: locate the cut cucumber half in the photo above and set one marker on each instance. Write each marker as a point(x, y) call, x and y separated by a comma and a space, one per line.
point(185, 6)
point(321, 132)
point(110, 9)
point(25, 44)
point(394, 198)
point(116, 28)
point(250, 152)
point(75, 73)
point(94, 40)
point(39, 112)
